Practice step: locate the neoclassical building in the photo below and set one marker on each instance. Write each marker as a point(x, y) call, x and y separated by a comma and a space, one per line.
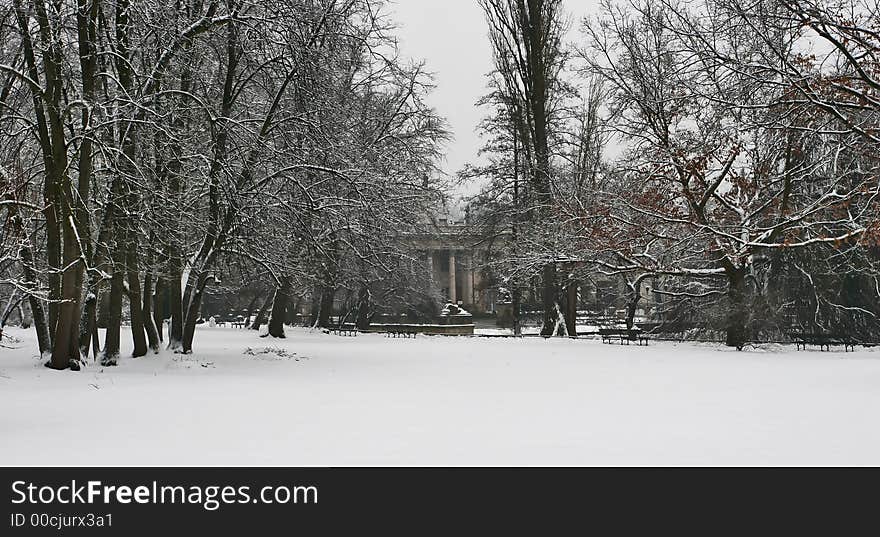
point(455, 258)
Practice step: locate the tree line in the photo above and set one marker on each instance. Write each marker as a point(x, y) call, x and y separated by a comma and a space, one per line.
point(722, 152)
point(154, 151)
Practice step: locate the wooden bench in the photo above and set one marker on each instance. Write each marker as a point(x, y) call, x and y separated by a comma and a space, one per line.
point(610, 335)
point(822, 340)
point(237, 324)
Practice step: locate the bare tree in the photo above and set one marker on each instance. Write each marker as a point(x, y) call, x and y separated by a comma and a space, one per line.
point(526, 38)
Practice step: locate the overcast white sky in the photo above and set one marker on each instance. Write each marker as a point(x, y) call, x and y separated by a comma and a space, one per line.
point(451, 36)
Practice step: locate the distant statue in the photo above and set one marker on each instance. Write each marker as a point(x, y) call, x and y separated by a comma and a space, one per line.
point(451, 309)
point(454, 314)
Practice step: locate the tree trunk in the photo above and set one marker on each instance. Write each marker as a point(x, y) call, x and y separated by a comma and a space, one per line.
point(279, 309)
point(632, 303)
point(102, 319)
point(110, 354)
point(87, 37)
point(315, 307)
point(26, 254)
point(65, 349)
point(135, 305)
point(364, 306)
point(633, 295)
point(159, 308)
point(328, 293)
point(536, 53)
point(87, 325)
point(44, 336)
point(175, 299)
point(40, 325)
point(515, 305)
point(177, 307)
point(260, 317)
point(128, 230)
point(22, 316)
point(571, 302)
point(193, 299)
point(96, 347)
point(736, 319)
point(147, 310)
point(115, 234)
point(61, 236)
point(53, 253)
point(550, 302)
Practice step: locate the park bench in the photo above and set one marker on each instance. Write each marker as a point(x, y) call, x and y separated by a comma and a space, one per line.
point(623, 335)
point(823, 340)
point(237, 324)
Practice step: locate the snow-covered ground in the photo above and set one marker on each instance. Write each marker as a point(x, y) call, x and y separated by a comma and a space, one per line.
point(317, 399)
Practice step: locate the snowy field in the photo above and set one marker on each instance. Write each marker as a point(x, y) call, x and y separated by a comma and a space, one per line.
point(317, 399)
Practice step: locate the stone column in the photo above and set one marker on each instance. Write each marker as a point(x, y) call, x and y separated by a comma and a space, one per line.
point(430, 262)
point(452, 297)
point(480, 299)
point(468, 288)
